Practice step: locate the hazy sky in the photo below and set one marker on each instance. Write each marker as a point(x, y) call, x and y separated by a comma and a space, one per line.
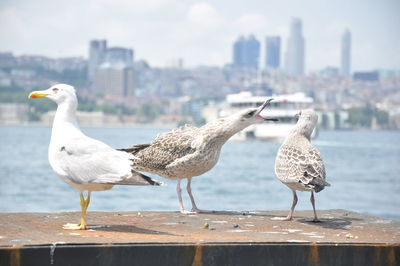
point(202, 32)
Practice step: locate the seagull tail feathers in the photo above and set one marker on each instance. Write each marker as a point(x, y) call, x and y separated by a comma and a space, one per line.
point(139, 179)
point(320, 184)
point(135, 148)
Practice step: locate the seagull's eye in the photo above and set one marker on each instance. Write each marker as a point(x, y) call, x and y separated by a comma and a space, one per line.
point(55, 90)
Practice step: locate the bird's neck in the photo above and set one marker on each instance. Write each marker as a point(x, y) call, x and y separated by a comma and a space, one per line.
point(65, 123)
point(220, 131)
point(298, 134)
point(66, 113)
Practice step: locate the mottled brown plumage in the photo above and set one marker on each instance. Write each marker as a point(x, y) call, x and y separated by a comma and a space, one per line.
point(298, 164)
point(185, 152)
point(190, 151)
point(300, 169)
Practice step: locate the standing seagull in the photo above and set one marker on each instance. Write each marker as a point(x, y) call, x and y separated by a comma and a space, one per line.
point(82, 162)
point(190, 151)
point(298, 164)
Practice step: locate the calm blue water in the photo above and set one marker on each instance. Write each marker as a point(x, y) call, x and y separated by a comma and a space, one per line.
point(362, 166)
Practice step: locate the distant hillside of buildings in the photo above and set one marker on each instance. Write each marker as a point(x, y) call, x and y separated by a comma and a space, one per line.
point(115, 88)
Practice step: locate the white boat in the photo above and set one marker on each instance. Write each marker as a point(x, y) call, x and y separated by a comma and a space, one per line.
point(284, 107)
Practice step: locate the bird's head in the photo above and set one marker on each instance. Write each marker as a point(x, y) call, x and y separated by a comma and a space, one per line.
point(58, 93)
point(247, 117)
point(307, 120)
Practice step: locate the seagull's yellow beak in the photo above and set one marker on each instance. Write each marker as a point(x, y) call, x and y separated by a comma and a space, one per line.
point(37, 94)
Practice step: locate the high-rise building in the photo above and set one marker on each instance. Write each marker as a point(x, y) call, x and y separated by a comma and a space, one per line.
point(252, 49)
point(272, 51)
point(119, 82)
point(238, 51)
point(295, 49)
point(118, 56)
point(111, 69)
point(345, 54)
point(97, 51)
point(246, 52)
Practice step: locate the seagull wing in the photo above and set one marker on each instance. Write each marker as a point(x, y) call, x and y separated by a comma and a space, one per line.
point(164, 150)
point(305, 166)
point(89, 161)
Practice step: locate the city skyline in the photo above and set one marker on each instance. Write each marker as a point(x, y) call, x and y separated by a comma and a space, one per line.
point(202, 32)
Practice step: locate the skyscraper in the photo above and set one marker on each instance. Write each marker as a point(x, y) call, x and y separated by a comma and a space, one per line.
point(246, 52)
point(119, 82)
point(97, 51)
point(345, 54)
point(272, 51)
point(238, 51)
point(118, 56)
point(111, 69)
point(295, 49)
point(252, 49)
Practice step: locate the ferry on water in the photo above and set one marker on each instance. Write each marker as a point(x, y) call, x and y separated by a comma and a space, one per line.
point(284, 107)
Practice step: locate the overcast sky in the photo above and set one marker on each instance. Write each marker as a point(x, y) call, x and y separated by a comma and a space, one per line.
point(202, 32)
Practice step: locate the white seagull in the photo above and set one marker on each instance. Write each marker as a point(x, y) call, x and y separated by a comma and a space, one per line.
point(190, 151)
point(82, 162)
point(298, 164)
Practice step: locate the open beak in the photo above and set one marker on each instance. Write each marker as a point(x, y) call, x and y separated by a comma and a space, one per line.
point(37, 94)
point(262, 107)
point(271, 119)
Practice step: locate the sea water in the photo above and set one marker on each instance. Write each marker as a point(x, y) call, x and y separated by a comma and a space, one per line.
point(363, 168)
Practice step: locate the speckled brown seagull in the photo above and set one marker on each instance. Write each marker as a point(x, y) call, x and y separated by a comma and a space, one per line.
point(82, 162)
point(190, 151)
point(298, 164)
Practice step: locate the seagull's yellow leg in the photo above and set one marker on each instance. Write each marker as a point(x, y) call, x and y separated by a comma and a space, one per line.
point(84, 205)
